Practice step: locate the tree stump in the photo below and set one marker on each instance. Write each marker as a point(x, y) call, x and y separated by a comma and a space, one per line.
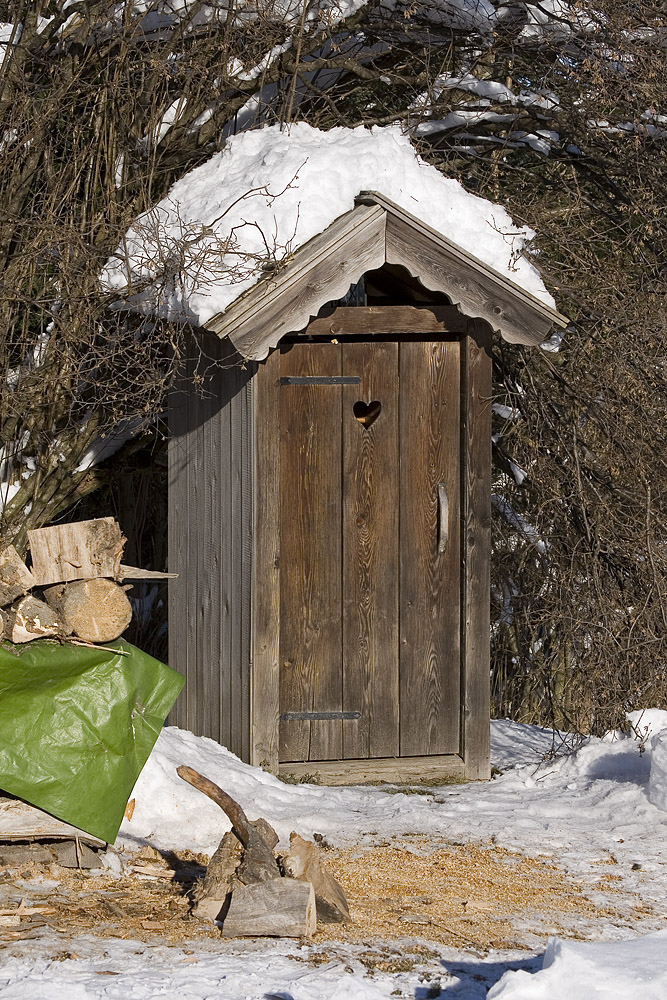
point(244, 887)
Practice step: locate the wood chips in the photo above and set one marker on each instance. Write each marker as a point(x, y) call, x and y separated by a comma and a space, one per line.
point(462, 895)
point(472, 895)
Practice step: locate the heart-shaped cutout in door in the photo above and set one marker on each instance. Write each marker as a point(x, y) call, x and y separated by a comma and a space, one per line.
point(367, 413)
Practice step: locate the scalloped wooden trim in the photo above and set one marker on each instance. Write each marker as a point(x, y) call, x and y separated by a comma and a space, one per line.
point(320, 271)
point(376, 232)
point(479, 293)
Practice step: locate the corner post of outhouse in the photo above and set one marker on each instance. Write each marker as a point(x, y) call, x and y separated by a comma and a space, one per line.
point(476, 549)
point(265, 603)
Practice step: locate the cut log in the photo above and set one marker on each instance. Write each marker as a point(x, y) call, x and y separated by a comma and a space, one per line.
point(95, 610)
point(15, 577)
point(304, 862)
point(30, 619)
point(266, 831)
point(258, 863)
point(21, 821)
point(81, 550)
point(279, 908)
point(211, 893)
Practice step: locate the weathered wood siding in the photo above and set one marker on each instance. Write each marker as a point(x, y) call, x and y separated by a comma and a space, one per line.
point(210, 543)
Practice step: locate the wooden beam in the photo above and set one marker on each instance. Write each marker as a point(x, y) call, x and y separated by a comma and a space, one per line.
point(388, 770)
point(475, 292)
point(21, 821)
point(372, 320)
point(136, 573)
point(320, 271)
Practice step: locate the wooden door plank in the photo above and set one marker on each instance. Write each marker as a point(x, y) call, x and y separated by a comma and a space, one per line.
point(430, 579)
point(370, 552)
point(310, 579)
point(477, 549)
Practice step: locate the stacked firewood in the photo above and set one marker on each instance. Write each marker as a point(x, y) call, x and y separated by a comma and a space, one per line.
point(253, 892)
point(74, 586)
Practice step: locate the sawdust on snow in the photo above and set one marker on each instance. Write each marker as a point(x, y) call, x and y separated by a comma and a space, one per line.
point(478, 896)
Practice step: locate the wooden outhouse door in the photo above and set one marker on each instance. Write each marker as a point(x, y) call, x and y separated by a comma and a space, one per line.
point(370, 549)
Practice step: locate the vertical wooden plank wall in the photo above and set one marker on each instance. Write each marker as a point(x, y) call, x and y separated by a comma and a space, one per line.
point(210, 536)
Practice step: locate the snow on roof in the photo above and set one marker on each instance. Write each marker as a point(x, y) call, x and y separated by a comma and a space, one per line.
point(227, 223)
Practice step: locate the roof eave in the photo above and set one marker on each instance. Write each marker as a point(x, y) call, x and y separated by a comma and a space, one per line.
point(375, 232)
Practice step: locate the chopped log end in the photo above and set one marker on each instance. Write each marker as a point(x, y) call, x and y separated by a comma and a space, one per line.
point(78, 550)
point(266, 831)
point(15, 577)
point(210, 908)
point(95, 610)
point(30, 619)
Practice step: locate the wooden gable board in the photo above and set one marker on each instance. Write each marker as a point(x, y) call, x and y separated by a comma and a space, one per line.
point(321, 270)
point(478, 290)
point(376, 232)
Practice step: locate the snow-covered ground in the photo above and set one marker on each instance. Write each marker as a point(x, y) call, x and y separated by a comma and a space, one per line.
point(604, 803)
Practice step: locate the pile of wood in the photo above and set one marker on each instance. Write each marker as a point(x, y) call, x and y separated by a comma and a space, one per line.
point(254, 892)
point(74, 586)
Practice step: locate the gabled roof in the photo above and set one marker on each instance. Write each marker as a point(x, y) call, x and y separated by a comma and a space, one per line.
point(374, 233)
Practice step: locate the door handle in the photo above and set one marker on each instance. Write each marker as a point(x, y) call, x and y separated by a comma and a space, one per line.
point(443, 517)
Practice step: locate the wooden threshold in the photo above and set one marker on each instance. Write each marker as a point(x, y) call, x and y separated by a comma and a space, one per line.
point(387, 770)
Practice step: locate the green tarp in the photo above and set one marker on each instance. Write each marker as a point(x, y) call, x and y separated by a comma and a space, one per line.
point(77, 725)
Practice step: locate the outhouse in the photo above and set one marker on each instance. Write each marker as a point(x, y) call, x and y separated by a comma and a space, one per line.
point(329, 511)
